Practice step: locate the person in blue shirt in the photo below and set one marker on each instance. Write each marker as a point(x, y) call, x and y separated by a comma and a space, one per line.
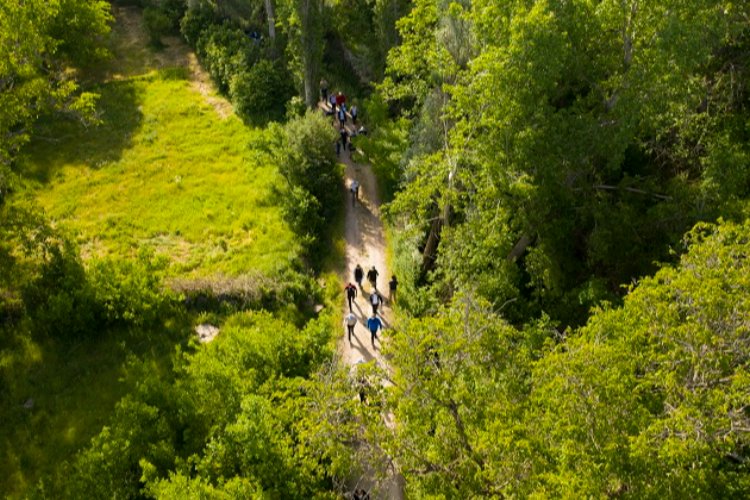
point(374, 324)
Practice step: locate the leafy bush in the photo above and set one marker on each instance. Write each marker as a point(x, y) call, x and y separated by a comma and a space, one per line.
point(157, 24)
point(261, 92)
point(130, 292)
point(61, 301)
point(225, 51)
point(315, 179)
point(194, 23)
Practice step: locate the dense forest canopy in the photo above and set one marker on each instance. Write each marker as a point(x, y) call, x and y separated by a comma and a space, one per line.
point(567, 188)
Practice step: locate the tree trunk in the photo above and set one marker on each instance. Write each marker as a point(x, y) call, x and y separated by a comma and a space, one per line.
point(309, 16)
point(429, 254)
point(271, 16)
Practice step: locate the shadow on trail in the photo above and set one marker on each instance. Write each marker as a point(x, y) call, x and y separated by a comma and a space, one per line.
point(361, 348)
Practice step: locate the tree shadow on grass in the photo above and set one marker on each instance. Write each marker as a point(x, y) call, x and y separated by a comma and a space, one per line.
point(60, 140)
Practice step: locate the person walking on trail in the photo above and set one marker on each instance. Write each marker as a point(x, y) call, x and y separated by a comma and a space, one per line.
point(374, 324)
point(359, 275)
point(332, 103)
point(354, 188)
point(351, 294)
point(375, 301)
point(324, 90)
point(372, 277)
point(350, 320)
point(344, 137)
point(353, 112)
point(340, 99)
point(392, 285)
point(342, 117)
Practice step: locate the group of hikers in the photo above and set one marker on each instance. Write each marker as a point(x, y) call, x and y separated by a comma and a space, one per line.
point(376, 300)
point(335, 104)
point(337, 107)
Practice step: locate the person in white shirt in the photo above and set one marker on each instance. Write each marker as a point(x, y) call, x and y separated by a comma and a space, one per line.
point(375, 301)
point(350, 320)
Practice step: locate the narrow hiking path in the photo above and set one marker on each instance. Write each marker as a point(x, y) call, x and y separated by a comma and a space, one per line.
point(366, 245)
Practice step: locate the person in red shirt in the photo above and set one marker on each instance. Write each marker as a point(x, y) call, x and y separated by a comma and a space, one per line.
point(340, 99)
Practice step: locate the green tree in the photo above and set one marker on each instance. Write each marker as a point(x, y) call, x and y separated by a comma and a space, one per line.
point(38, 40)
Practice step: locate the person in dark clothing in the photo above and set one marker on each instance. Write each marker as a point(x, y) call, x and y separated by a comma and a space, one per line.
point(359, 275)
point(392, 285)
point(344, 138)
point(351, 294)
point(342, 117)
point(372, 277)
point(360, 494)
point(324, 90)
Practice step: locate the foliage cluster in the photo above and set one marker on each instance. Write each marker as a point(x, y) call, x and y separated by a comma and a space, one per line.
point(580, 141)
point(40, 42)
point(647, 400)
point(313, 196)
point(258, 86)
point(230, 417)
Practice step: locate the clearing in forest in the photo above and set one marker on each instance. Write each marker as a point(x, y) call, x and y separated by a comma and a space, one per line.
point(165, 169)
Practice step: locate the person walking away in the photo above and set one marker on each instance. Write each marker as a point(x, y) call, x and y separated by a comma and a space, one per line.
point(354, 188)
point(324, 90)
point(342, 117)
point(350, 320)
point(332, 103)
point(340, 99)
point(392, 285)
point(374, 324)
point(351, 294)
point(353, 113)
point(375, 301)
point(359, 275)
point(372, 277)
point(344, 138)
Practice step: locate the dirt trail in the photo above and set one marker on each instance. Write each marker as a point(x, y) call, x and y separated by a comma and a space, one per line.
point(366, 245)
point(133, 56)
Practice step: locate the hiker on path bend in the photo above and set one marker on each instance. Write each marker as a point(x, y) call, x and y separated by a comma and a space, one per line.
point(372, 277)
point(351, 294)
point(353, 112)
point(342, 117)
point(341, 143)
point(332, 103)
point(354, 188)
point(374, 324)
point(340, 99)
point(324, 90)
point(375, 301)
point(359, 275)
point(350, 320)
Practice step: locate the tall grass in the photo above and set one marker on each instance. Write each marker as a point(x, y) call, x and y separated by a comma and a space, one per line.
point(165, 171)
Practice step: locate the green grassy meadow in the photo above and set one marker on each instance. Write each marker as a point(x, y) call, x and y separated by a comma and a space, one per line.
point(163, 170)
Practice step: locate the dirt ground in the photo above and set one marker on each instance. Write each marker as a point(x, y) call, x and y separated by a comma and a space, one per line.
point(132, 57)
